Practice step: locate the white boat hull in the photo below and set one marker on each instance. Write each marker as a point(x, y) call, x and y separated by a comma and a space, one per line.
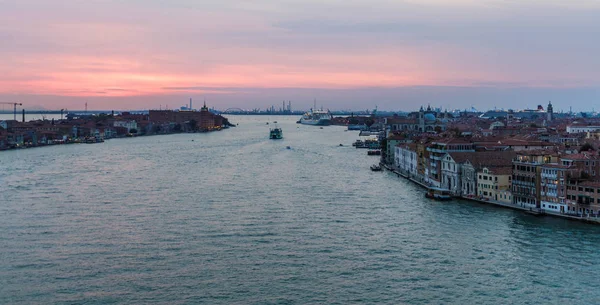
point(321, 122)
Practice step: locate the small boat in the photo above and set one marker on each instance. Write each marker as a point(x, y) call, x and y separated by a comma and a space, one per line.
point(341, 144)
point(376, 168)
point(275, 133)
point(92, 140)
point(267, 123)
point(320, 127)
point(275, 122)
point(437, 193)
point(287, 147)
point(374, 152)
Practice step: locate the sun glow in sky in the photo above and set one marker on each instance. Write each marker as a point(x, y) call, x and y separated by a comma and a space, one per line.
point(256, 53)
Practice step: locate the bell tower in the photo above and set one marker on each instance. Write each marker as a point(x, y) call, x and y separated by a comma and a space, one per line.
point(550, 112)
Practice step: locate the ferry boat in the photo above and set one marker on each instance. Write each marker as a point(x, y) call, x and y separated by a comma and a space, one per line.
point(368, 143)
point(275, 133)
point(437, 193)
point(316, 117)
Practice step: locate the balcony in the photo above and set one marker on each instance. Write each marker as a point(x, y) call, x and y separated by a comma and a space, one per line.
point(526, 162)
point(436, 150)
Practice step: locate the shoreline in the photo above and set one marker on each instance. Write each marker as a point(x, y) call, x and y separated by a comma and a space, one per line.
point(536, 212)
point(82, 141)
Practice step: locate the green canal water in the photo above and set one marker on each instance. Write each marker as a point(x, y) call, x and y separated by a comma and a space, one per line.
point(232, 217)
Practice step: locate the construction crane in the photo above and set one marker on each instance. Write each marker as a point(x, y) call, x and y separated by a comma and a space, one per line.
point(15, 107)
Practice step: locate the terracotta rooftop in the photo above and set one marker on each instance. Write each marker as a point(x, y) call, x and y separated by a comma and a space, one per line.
point(452, 141)
point(581, 156)
point(481, 159)
point(500, 170)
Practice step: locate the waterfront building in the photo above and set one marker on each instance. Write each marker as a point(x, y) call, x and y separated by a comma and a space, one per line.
point(129, 124)
point(204, 119)
point(392, 142)
point(553, 187)
point(526, 176)
point(468, 179)
point(583, 197)
point(460, 169)
point(423, 158)
point(437, 150)
point(406, 159)
point(451, 169)
point(494, 183)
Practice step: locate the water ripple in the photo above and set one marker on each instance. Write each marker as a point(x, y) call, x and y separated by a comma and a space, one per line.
point(233, 218)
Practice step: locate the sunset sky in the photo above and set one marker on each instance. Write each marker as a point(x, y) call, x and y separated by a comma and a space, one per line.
point(348, 54)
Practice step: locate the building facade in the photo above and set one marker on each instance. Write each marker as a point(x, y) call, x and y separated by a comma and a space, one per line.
point(526, 177)
point(553, 187)
point(437, 150)
point(406, 159)
point(494, 182)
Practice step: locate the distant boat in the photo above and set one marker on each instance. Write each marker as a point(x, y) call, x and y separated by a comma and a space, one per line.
point(276, 133)
point(92, 140)
point(288, 147)
point(376, 168)
point(275, 122)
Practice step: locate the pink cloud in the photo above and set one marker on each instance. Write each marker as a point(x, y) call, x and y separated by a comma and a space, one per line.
point(114, 49)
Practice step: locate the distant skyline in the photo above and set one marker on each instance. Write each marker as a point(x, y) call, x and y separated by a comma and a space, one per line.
point(351, 54)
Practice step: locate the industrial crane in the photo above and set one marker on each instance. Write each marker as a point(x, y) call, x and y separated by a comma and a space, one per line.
point(15, 107)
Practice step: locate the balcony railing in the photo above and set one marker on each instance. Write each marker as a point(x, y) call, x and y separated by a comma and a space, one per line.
point(436, 150)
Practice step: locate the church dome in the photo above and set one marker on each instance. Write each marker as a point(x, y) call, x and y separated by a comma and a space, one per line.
point(429, 117)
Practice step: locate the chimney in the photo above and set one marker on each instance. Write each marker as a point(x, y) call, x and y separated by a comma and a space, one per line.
point(191, 103)
point(23, 115)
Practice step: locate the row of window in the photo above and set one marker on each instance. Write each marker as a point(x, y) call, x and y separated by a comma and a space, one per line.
point(550, 206)
point(581, 210)
point(484, 177)
point(525, 200)
point(583, 189)
point(524, 190)
point(487, 186)
point(524, 168)
point(583, 199)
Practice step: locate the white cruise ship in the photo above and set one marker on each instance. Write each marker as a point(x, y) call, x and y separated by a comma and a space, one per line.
point(316, 117)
